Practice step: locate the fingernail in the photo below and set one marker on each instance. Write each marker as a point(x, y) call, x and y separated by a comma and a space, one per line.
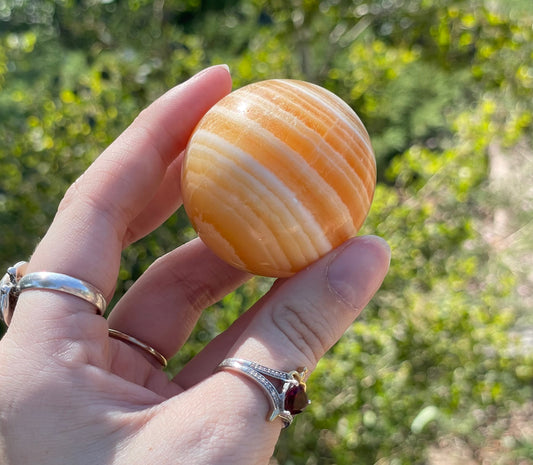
point(358, 269)
point(225, 66)
point(207, 70)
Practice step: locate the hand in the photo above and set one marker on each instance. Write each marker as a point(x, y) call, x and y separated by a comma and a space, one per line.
point(72, 395)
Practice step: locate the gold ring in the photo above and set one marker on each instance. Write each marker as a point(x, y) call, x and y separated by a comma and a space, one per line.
point(114, 333)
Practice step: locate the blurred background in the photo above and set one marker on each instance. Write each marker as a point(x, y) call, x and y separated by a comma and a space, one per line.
point(439, 368)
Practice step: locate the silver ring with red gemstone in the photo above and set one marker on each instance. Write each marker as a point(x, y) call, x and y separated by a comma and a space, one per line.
point(288, 399)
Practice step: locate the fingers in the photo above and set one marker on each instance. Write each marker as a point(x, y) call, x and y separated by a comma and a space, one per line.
point(163, 306)
point(86, 237)
point(301, 317)
point(89, 229)
point(293, 326)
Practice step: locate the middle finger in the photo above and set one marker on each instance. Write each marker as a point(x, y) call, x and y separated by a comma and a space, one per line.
point(163, 306)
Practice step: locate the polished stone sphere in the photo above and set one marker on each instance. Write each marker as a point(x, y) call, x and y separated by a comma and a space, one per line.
point(277, 174)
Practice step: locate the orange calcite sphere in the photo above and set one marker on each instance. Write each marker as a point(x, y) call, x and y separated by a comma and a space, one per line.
point(277, 174)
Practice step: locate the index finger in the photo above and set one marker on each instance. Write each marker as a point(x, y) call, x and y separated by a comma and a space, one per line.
point(85, 239)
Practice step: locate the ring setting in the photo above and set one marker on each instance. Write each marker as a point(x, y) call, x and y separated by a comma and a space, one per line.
point(8, 290)
point(286, 402)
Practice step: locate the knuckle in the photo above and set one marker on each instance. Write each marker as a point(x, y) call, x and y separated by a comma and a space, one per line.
point(305, 328)
point(192, 288)
point(70, 195)
point(88, 194)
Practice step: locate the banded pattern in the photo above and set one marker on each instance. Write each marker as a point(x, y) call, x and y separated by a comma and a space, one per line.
point(277, 174)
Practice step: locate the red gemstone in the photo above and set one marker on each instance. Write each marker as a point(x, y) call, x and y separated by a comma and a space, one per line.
point(296, 399)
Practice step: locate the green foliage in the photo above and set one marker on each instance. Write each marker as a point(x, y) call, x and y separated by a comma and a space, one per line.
point(436, 83)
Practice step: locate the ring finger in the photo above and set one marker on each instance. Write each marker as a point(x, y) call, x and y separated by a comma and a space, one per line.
point(163, 306)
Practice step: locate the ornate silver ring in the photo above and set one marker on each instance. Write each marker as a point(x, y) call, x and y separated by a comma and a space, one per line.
point(286, 402)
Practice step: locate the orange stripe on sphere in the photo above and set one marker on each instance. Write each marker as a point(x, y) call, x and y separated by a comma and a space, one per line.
point(266, 145)
point(253, 199)
point(321, 149)
point(277, 174)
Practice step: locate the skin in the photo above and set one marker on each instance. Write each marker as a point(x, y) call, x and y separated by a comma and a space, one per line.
point(71, 394)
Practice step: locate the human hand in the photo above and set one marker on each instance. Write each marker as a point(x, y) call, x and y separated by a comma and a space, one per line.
point(72, 395)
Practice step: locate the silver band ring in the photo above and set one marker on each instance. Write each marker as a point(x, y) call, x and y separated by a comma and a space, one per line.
point(292, 398)
point(64, 283)
point(116, 334)
point(15, 282)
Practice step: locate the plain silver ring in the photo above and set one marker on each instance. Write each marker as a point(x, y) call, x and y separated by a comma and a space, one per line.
point(63, 283)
